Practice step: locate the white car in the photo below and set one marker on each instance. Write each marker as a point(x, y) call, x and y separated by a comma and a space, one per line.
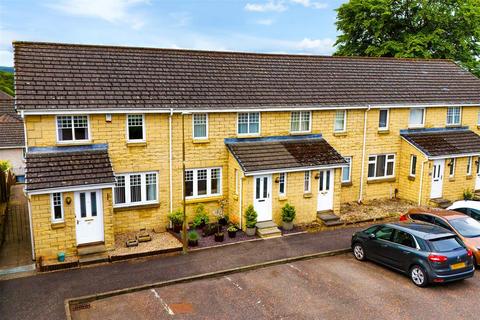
point(468, 207)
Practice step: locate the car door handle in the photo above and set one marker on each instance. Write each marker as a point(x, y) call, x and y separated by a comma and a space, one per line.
point(406, 252)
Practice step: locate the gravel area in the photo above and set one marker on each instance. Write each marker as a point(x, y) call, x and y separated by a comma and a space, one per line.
point(160, 241)
point(209, 241)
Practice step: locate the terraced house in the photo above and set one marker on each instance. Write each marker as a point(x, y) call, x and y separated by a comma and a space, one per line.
point(107, 127)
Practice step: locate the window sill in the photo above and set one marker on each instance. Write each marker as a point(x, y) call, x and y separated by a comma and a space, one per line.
point(381, 180)
point(74, 143)
point(383, 131)
point(413, 126)
point(57, 225)
point(411, 178)
point(299, 133)
point(248, 135)
point(469, 177)
point(282, 198)
point(136, 207)
point(308, 195)
point(347, 184)
point(340, 134)
point(200, 141)
point(203, 199)
point(136, 144)
point(458, 125)
point(451, 179)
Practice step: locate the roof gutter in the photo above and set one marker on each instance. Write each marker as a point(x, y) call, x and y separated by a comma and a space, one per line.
point(364, 146)
point(298, 169)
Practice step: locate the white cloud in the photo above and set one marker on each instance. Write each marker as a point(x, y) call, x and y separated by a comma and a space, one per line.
point(311, 4)
point(265, 22)
point(113, 11)
point(317, 46)
point(271, 5)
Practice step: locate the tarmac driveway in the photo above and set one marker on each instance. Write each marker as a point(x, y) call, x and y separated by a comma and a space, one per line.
point(325, 288)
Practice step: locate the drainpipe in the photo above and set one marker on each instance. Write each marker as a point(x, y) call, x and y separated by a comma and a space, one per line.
point(362, 173)
point(240, 197)
point(421, 183)
point(170, 157)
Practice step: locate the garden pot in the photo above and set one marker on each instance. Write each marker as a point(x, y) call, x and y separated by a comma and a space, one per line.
point(177, 228)
point(287, 225)
point(222, 221)
point(219, 237)
point(250, 231)
point(193, 243)
point(232, 234)
point(61, 256)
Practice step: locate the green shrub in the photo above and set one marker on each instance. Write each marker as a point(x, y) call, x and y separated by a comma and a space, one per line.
point(5, 165)
point(201, 217)
point(251, 217)
point(176, 217)
point(288, 213)
point(193, 235)
point(467, 194)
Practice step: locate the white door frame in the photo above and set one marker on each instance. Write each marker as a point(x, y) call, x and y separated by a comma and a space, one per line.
point(325, 189)
point(438, 171)
point(88, 226)
point(477, 172)
point(262, 198)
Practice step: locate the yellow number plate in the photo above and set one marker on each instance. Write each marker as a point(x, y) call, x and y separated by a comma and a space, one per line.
point(458, 266)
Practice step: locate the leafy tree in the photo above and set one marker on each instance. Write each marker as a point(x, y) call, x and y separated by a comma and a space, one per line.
point(447, 29)
point(6, 82)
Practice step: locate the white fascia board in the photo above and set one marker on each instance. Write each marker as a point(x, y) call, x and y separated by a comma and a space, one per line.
point(464, 155)
point(72, 188)
point(299, 169)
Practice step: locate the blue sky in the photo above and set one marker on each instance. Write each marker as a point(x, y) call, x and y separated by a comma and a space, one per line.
point(280, 26)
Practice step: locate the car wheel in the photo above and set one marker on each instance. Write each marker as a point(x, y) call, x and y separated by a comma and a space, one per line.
point(418, 276)
point(358, 252)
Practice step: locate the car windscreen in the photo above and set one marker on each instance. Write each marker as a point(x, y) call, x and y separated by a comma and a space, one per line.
point(467, 227)
point(445, 244)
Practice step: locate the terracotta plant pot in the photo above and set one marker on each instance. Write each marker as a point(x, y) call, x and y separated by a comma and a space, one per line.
point(287, 225)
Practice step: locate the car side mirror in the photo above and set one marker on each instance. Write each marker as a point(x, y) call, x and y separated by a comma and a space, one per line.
point(372, 236)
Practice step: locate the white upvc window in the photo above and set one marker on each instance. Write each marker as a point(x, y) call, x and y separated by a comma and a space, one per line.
point(413, 165)
point(454, 115)
point(73, 128)
point(347, 171)
point(381, 166)
point(340, 124)
point(383, 119)
point(200, 126)
point(135, 127)
point(248, 123)
point(417, 118)
point(300, 121)
point(282, 184)
point(203, 182)
point(469, 166)
point(133, 189)
point(451, 167)
point(56, 200)
point(307, 182)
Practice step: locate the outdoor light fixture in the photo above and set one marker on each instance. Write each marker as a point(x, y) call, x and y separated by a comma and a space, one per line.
point(277, 180)
point(317, 176)
point(68, 200)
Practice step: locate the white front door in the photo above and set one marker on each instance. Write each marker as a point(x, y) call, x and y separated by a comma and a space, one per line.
point(262, 197)
point(477, 179)
point(89, 216)
point(325, 190)
point(437, 179)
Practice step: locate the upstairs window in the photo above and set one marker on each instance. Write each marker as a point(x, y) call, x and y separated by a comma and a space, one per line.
point(300, 121)
point(136, 127)
point(248, 123)
point(57, 207)
point(200, 126)
point(72, 128)
point(340, 121)
point(381, 166)
point(136, 189)
point(453, 116)
point(383, 119)
point(417, 118)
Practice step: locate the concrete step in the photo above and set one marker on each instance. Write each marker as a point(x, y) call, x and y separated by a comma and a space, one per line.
point(441, 203)
point(327, 217)
point(333, 223)
point(87, 250)
point(266, 224)
point(93, 258)
point(271, 232)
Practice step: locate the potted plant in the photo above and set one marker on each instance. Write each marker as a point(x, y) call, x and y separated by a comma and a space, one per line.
point(288, 214)
point(210, 229)
point(176, 218)
point(467, 194)
point(200, 219)
point(250, 220)
point(193, 238)
point(219, 235)
point(222, 218)
point(232, 231)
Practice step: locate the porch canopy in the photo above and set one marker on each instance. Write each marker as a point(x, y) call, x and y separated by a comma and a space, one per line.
point(68, 168)
point(284, 154)
point(439, 143)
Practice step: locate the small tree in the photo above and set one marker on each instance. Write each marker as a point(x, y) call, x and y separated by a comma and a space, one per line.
point(251, 217)
point(288, 213)
point(176, 217)
point(201, 217)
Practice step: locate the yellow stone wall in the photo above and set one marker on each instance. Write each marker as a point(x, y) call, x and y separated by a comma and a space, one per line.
point(51, 238)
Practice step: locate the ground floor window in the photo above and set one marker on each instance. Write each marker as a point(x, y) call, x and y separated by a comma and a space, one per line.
point(451, 167)
point(203, 182)
point(381, 166)
point(469, 166)
point(413, 165)
point(306, 184)
point(347, 171)
point(282, 184)
point(57, 207)
point(136, 188)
